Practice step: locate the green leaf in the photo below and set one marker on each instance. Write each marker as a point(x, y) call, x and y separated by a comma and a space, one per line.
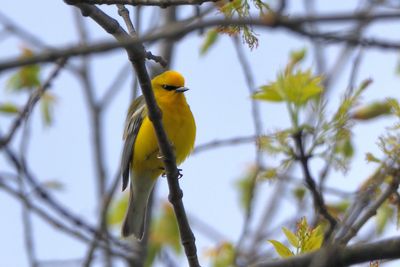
point(27, 77)
point(269, 93)
point(281, 249)
point(47, 103)
point(299, 193)
point(295, 58)
point(315, 240)
point(339, 208)
point(223, 255)
point(297, 55)
point(398, 216)
point(164, 232)
point(117, 211)
point(165, 229)
point(371, 158)
point(246, 187)
point(296, 88)
point(9, 108)
point(210, 39)
point(345, 147)
point(372, 111)
point(291, 237)
point(384, 213)
point(269, 173)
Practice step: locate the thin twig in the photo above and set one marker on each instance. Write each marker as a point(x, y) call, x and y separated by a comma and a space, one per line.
point(47, 198)
point(137, 55)
point(318, 199)
point(255, 112)
point(57, 223)
point(115, 86)
point(224, 142)
point(371, 210)
point(26, 211)
point(28, 37)
point(381, 250)
point(179, 31)
point(33, 99)
point(161, 3)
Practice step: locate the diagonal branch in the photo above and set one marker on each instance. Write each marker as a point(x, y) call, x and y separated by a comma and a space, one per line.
point(371, 211)
point(52, 220)
point(318, 199)
point(137, 56)
point(33, 99)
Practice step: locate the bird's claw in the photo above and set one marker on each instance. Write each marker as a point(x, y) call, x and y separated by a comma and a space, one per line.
point(180, 175)
point(164, 174)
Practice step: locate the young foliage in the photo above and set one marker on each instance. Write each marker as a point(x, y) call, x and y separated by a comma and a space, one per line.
point(47, 102)
point(116, 213)
point(223, 255)
point(297, 88)
point(164, 233)
point(8, 108)
point(242, 9)
point(373, 110)
point(305, 239)
point(27, 77)
point(245, 186)
point(210, 39)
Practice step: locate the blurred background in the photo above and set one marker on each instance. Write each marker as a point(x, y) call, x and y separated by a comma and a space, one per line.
point(237, 193)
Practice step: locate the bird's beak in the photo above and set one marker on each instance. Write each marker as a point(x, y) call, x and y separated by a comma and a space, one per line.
point(181, 89)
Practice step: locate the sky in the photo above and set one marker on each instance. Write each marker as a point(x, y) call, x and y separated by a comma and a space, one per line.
point(219, 99)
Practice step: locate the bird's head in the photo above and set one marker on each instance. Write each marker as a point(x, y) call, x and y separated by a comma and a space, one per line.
point(169, 82)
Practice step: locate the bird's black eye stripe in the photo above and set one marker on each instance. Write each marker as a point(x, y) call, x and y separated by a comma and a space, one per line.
point(169, 87)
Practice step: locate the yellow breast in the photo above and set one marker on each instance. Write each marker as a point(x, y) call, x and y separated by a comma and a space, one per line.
point(180, 127)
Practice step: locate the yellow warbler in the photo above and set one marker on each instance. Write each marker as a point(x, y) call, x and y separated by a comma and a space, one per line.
point(141, 157)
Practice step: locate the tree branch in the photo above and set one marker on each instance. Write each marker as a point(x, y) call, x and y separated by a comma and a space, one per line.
point(179, 31)
point(371, 211)
point(33, 99)
point(160, 3)
point(318, 199)
point(137, 56)
point(71, 231)
point(386, 249)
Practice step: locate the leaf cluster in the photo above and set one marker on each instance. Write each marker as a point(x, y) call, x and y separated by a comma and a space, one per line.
point(305, 239)
point(27, 79)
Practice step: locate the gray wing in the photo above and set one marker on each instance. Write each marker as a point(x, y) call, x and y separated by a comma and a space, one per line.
point(137, 111)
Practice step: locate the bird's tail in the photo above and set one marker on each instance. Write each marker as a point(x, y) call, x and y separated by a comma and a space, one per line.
point(135, 216)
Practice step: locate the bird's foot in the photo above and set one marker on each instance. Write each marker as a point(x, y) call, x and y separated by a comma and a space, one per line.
point(164, 174)
point(180, 175)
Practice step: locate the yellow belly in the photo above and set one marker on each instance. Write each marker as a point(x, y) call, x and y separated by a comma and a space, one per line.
point(180, 127)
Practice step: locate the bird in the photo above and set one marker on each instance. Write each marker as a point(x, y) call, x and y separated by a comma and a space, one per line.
point(141, 159)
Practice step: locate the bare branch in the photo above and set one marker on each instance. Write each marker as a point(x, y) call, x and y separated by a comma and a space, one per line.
point(385, 250)
point(179, 30)
point(255, 112)
point(160, 3)
point(225, 142)
point(48, 199)
point(57, 223)
point(33, 99)
point(318, 199)
point(137, 55)
point(371, 211)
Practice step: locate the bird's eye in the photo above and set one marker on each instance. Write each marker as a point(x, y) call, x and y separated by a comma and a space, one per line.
point(169, 87)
